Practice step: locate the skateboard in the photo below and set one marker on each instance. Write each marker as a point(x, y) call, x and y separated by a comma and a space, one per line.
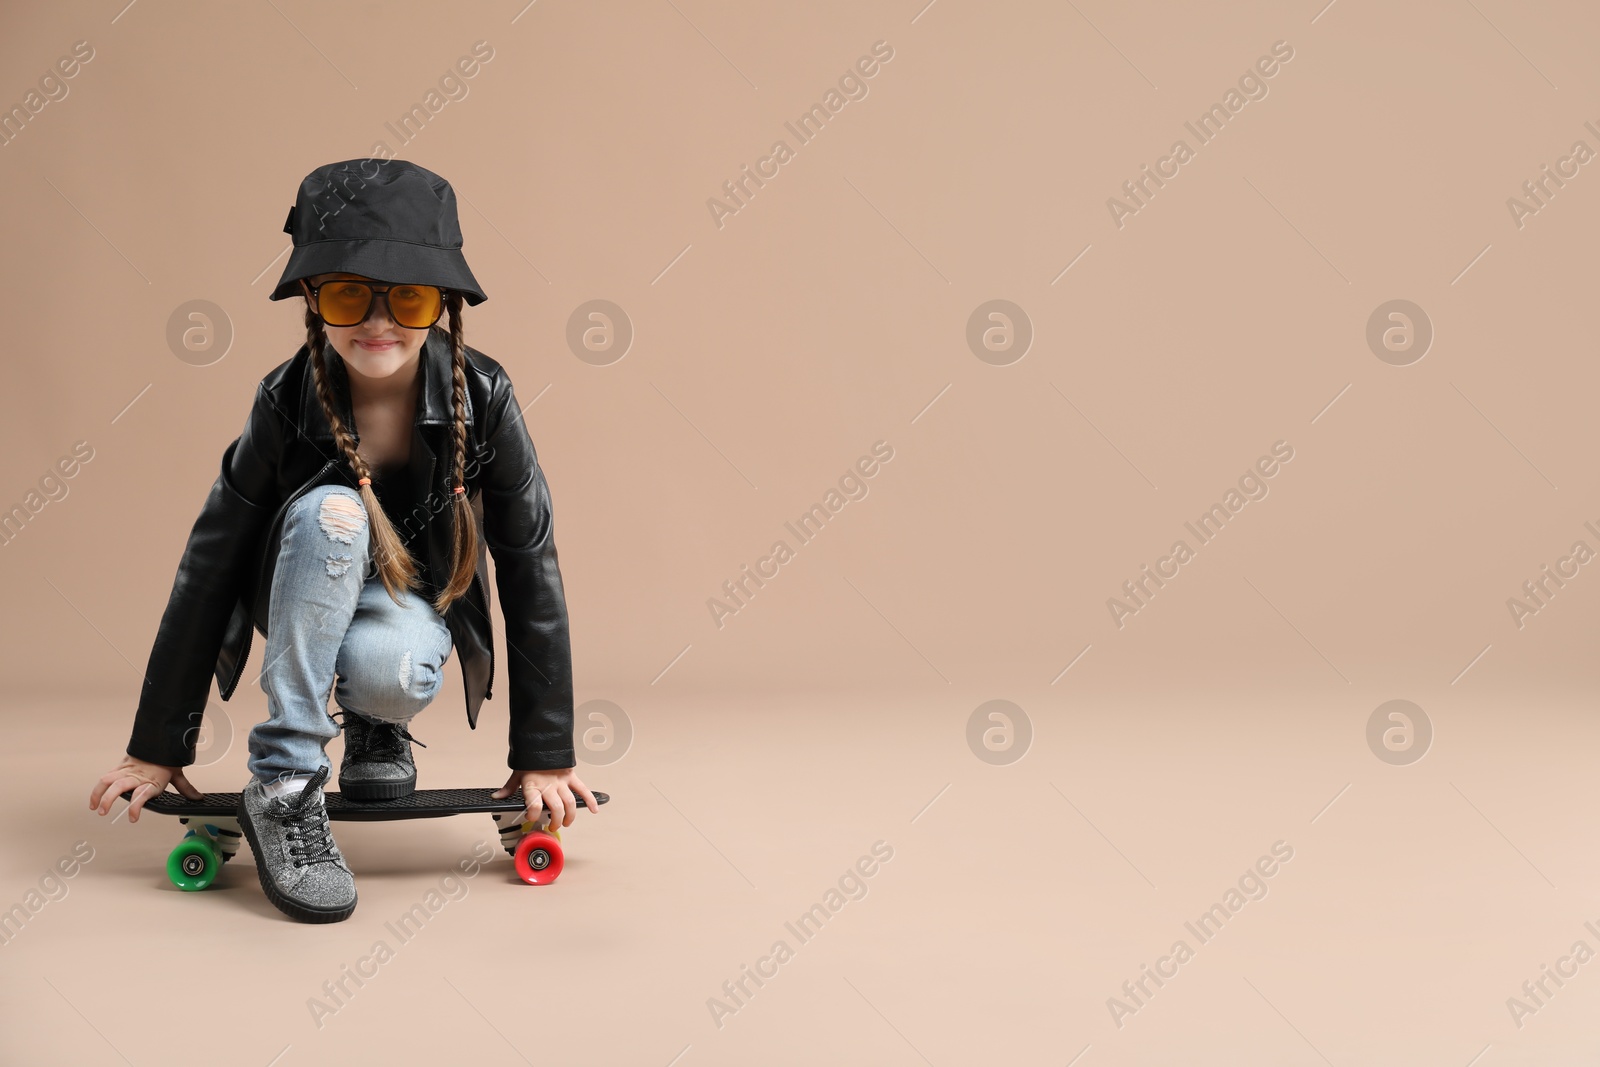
point(214, 836)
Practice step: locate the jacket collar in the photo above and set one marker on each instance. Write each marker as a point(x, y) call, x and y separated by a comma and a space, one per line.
point(435, 404)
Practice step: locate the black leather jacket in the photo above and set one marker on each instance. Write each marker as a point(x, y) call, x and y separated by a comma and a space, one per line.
point(224, 579)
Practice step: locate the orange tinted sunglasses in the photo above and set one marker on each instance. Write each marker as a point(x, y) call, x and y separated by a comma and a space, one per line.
point(347, 302)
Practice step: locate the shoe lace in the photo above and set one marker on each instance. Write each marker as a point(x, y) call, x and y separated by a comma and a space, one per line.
point(306, 824)
point(379, 740)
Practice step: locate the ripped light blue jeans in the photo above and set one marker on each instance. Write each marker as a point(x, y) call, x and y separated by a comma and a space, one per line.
point(333, 629)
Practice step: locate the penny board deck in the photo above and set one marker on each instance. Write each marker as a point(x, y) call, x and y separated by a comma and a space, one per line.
point(422, 804)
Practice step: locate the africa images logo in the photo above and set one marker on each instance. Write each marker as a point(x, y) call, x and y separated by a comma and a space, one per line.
point(1252, 485)
point(1252, 85)
point(852, 85)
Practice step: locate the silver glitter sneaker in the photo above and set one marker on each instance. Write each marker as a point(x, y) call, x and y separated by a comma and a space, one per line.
point(302, 871)
point(377, 763)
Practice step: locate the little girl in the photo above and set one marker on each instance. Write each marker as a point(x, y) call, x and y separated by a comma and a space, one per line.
point(360, 556)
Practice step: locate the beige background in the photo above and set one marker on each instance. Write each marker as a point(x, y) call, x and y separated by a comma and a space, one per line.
point(829, 313)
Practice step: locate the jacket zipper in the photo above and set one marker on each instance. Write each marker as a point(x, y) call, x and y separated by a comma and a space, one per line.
point(483, 606)
point(244, 657)
point(483, 598)
point(249, 637)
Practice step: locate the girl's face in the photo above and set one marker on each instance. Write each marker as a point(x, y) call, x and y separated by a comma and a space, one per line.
point(376, 349)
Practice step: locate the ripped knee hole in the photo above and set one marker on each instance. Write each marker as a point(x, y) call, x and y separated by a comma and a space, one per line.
point(342, 517)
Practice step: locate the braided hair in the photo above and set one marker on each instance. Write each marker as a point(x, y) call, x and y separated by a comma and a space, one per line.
point(395, 566)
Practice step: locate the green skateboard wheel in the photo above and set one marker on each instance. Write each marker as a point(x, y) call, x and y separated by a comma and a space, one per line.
point(194, 863)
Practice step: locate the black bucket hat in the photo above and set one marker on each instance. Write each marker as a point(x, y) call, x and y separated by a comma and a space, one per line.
point(387, 219)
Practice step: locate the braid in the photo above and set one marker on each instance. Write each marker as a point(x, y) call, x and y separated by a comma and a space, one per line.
point(465, 546)
point(395, 565)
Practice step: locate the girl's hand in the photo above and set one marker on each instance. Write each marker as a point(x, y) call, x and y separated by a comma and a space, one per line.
point(549, 791)
point(145, 779)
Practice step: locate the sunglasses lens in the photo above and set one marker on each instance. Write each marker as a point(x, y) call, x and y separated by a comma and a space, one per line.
point(343, 303)
point(346, 303)
point(415, 306)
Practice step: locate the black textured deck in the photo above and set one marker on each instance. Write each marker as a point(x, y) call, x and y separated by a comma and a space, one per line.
point(423, 804)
